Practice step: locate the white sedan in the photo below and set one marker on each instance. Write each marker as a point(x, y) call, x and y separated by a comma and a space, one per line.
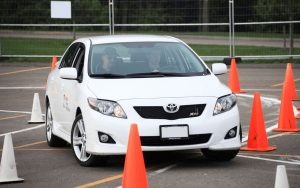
point(102, 85)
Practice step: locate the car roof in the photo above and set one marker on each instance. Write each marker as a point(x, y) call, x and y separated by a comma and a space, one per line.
point(128, 38)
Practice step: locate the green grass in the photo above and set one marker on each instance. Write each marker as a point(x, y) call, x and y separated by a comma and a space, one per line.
point(223, 50)
point(26, 46)
point(263, 61)
point(214, 34)
point(31, 46)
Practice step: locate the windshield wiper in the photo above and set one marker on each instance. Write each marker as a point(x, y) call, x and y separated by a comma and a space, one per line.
point(153, 74)
point(147, 75)
point(161, 74)
point(108, 75)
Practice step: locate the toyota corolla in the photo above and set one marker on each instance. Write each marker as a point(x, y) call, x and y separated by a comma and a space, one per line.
point(102, 85)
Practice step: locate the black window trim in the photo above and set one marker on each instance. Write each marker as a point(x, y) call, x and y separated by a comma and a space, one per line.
point(62, 63)
point(80, 50)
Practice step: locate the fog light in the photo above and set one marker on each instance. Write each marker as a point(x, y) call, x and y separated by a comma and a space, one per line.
point(231, 133)
point(105, 138)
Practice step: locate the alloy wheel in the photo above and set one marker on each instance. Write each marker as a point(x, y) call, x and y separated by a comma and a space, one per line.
point(79, 141)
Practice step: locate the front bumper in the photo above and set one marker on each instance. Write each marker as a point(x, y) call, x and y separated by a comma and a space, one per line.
point(119, 129)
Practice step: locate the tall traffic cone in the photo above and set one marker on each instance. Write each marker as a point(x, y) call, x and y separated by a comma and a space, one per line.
point(289, 78)
point(8, 170)
point(134, 175)
point(286, 121)
point(281, 180)
point(290, 84)
point(234, 83)
point(36, 114)
point(257, 136)
point(54, 61)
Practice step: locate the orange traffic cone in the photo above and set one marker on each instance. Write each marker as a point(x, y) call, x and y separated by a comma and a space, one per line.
point(257, 136)
point(289, 78)
point(134, 175)
point(286, 121)
point(54, 61)
point(234, 83)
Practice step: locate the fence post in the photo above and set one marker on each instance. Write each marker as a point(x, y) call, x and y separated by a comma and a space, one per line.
point(205, 15)
point(291, 39)
point(74, 30)
point(231, 29)
point(111, 17)
point(233, 36)
point(230, 35)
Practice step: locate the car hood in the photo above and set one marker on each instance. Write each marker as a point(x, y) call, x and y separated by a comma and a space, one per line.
point(166, 87)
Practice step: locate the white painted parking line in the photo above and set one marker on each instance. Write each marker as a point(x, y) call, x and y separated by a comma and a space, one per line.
point(162, 170)
point(159, 171)
point(11, 111)
point(19, 112)
point(262, 98)
point(12, 88)
point(269, 129)
point(24, 130)
point(271, 160)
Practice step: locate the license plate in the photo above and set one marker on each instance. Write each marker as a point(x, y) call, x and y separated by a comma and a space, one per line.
point(174, 131)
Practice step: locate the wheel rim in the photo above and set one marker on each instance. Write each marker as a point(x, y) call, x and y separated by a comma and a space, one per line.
point(49, 124)
point(79, 141)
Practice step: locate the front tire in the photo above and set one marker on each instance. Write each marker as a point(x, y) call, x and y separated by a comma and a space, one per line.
point(52, 140)
point(225, 155)
point(78, 143)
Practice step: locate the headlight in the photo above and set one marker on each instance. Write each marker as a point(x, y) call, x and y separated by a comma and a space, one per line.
point(225, 103)
point(109, 108)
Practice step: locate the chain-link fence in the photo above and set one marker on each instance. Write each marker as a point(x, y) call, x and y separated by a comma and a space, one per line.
point(262, 28)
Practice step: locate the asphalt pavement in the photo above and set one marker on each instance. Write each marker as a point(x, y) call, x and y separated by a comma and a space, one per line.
point(42, 166)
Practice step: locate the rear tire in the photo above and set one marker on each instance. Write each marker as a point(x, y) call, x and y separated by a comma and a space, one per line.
point(225, 155)
point(52, 140)
point(78, 143)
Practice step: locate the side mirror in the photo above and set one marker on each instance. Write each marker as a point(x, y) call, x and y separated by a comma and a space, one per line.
point(68, 73)
point(218, 68)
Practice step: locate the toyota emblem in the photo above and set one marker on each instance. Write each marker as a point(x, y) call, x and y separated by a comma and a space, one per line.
point(171, 108)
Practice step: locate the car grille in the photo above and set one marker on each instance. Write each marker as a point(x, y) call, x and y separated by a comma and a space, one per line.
point(158, 112)
point(192, 139)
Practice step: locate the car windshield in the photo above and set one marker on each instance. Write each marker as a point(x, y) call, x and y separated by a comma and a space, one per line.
point(144, 59)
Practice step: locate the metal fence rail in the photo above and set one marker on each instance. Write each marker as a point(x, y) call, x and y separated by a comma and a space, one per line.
point(229, 28)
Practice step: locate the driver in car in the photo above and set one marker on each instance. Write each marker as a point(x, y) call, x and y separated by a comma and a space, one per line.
point(105, 66)
point(154, 58)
